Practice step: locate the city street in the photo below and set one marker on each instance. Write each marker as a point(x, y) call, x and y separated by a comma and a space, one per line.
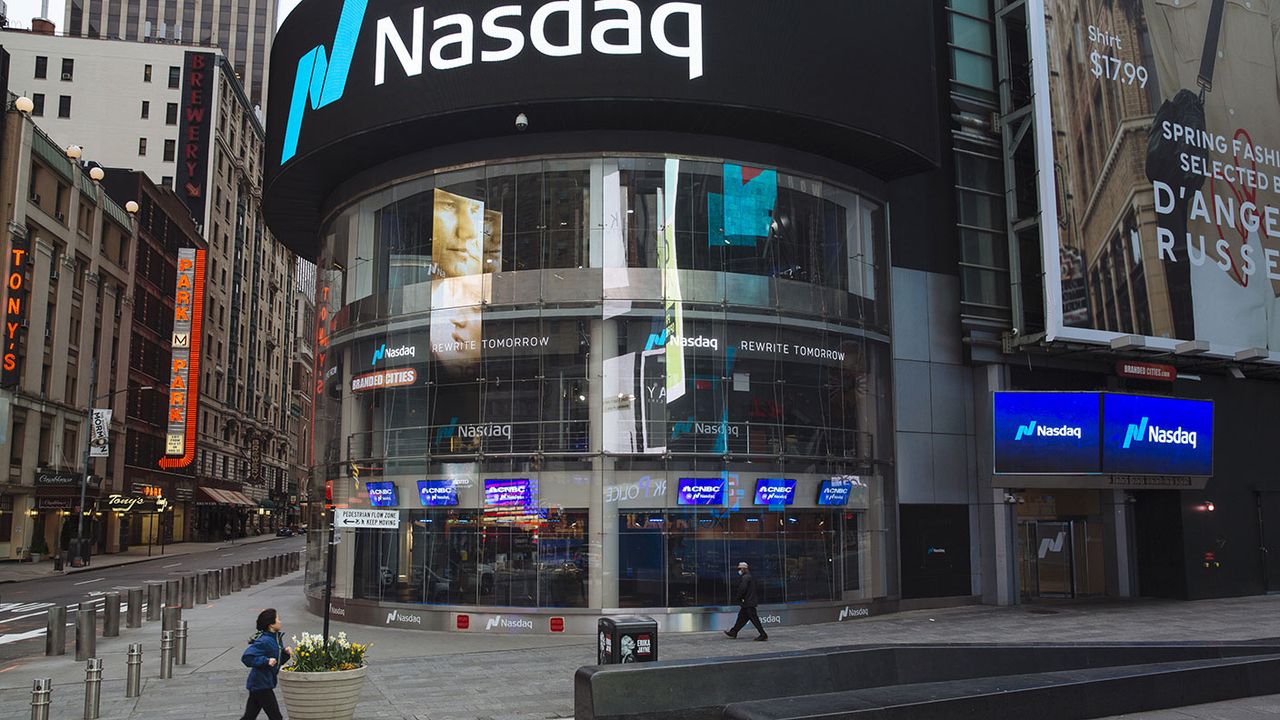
point(24, 605)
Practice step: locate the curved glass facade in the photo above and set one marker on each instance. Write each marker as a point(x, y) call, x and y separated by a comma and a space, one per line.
point(600, 382)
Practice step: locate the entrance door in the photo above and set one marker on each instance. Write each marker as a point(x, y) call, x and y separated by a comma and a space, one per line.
point(1269, 519)
point(1046, 559)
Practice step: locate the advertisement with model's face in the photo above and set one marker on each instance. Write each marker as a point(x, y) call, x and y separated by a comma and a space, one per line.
point(466, 243)
point(1162, 218)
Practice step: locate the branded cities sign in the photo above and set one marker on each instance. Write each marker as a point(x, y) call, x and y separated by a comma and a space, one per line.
point(184, 364)
point(1086, 433)
point(346, 518)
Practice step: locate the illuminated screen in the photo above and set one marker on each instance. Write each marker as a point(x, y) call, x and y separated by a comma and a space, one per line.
point(507, 493)
point(834, 492)
point(771, 491)
point(437, 493)
point(382, 494)
point(701, 491)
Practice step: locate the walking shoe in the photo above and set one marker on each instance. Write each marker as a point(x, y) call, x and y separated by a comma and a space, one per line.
point(761, 638)
point(730, 635)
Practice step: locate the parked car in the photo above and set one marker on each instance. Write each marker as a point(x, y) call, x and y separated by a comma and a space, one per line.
point(284, 532)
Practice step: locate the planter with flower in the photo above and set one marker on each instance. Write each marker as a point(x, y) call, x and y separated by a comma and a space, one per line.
point(324, 679)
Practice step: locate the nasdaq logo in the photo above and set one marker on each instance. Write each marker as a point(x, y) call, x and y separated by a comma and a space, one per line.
point(394, 353)
point(1143, 431)
point(1035, 429)
point(322, 78)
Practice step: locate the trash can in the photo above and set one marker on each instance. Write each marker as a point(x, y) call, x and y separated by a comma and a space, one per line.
point(627, 639)
point(61, 560)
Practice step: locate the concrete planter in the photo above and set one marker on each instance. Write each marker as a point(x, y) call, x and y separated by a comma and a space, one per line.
point(322, 695)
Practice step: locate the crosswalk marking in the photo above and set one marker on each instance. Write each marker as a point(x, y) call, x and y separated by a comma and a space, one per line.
point(23, 607)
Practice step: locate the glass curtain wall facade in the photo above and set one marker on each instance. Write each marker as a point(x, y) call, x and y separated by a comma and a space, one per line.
point(600, 382)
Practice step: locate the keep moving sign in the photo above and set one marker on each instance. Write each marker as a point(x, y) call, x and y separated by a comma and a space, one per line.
point(345, 518)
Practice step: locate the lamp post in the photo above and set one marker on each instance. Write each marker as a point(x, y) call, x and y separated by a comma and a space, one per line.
point(88, 446)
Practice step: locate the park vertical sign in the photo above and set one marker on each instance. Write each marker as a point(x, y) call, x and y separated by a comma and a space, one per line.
point(184, 376)
point(193, 131)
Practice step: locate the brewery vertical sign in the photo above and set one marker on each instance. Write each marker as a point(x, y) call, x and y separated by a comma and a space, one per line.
point(193, 132)
point(184, 366)
point(17, 260)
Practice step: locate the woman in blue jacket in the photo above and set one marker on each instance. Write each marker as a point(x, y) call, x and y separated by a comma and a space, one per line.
point(264, 657)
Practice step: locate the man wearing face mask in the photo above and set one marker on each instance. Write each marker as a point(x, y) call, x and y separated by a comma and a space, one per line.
point(747, 601)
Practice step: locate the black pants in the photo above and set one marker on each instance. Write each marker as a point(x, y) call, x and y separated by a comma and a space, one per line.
point(748, 614)
point(260, 700)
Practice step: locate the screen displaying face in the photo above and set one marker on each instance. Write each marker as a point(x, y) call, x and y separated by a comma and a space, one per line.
point(457, 235)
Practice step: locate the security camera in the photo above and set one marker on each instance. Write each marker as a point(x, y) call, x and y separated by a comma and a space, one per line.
point(522, 122)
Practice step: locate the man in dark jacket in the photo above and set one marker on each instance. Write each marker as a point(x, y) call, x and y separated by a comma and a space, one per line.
point(264, 656)
point(747, 600)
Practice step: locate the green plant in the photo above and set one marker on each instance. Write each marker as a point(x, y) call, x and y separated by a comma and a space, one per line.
point(313, 654)
point(38, 545)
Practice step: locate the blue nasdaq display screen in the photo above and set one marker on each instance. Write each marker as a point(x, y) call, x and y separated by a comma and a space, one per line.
point(701, 491)
point(508, 493)
point(437, 493)
point(771, 491)
point(1157, 436)
point(835, 492)
point(1047, 433)
point(382, 494)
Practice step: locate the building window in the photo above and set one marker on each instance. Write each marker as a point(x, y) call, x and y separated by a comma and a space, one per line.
point(42, 67)
point(68, 68)
point(175, 77)
point(37, 104)
point(171, 114)
point(142, 146)
point(170, 148)
point(146, 109)
point(167, 180)
point(146, 73)
point(64, 106)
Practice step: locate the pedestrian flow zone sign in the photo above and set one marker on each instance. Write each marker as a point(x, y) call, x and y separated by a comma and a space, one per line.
point(359, 518)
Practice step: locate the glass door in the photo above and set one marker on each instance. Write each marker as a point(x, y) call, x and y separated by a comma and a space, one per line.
point(1054, 559)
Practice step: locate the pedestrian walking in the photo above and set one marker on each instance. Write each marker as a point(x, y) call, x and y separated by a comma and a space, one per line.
point(264, 657)
point(748, 599)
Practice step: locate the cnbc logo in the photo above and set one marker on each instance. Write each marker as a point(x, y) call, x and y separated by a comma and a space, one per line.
point(1035, 429)
point(1144, 431)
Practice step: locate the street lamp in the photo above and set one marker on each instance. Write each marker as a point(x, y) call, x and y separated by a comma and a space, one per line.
point(88, 446)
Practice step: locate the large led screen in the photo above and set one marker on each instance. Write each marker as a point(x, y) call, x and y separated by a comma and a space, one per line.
point(1047, 433)
point(1159, 159)
point(382, 494)
point(1157, 436)
point(508, 493)
point(701, 491)
point(437, 493)
point(774, 491)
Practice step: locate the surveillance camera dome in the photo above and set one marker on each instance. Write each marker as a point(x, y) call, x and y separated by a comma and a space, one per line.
point(522, 121)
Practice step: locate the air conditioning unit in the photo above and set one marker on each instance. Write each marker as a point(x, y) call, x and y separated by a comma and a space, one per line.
point(66, 76)
point(53, 274)
point(60, 217)
point(35, 198)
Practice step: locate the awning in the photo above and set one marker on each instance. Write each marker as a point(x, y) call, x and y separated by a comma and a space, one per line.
point(225, 497)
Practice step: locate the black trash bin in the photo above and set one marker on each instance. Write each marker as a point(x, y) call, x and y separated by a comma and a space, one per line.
point(627, 639)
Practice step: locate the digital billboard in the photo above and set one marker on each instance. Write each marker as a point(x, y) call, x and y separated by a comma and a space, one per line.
point(1047, 432)
point(773, 491)
point(382, 494)
point(701, 491)
point(437, 493)
point(834, 492)
point(1159, 157)
point(1157, 436)
point(508, 493)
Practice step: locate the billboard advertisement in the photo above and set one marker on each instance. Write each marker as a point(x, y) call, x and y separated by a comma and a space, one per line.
point(1153, 435)
point(1161, 217)
point(1047, 432)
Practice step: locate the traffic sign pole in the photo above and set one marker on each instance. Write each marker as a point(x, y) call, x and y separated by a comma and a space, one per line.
point(328, 576)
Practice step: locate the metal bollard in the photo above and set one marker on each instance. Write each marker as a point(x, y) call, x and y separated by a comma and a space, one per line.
point(253, 572)
point(155, 600)
point(133, 616)
point(133, 677)
point(229, 582)
point(243, 571)
point(111, 615)
point(171, 617)
point(172, 591)
point(202, 589)
point(41, 694)
point(180, 643)
point(86, 630)
point(273, 567)
point(55, 634)
point(92, 688)
point(166, 654)
point(188, 591)
point(215, 583)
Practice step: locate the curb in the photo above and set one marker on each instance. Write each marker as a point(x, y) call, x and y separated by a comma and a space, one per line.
point(123, 563)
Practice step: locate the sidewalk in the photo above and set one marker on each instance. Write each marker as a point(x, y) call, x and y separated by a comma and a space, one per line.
point(457, 676)
point(12, 571)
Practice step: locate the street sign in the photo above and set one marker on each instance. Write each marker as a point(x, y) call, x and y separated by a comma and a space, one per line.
point(359, 518)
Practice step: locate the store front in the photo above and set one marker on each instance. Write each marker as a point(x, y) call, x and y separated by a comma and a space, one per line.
point(599, 339)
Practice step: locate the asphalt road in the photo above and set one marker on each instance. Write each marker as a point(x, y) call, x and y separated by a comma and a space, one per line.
point(24, 605)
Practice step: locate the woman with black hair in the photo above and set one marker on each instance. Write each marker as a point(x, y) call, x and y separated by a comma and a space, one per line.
point(264, 656)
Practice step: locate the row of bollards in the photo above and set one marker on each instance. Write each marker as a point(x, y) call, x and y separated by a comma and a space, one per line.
point(164, 602)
